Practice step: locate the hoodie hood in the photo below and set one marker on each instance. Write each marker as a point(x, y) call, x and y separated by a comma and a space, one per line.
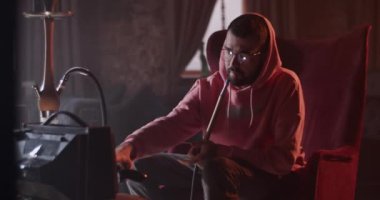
point(271, 63)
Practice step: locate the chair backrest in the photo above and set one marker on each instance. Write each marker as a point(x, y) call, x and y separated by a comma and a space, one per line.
point(213, 48)
point(333, 76)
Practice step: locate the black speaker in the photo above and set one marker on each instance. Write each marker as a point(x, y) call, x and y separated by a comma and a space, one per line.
point(66, 162)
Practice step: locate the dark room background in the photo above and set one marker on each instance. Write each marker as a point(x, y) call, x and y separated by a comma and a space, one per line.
point(139, 49)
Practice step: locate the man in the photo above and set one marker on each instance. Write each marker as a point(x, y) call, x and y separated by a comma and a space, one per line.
point(256, 136)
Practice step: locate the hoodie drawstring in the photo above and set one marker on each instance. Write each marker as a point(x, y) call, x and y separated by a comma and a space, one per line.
point(251, 108)
point(228, 108)
point(229, 102)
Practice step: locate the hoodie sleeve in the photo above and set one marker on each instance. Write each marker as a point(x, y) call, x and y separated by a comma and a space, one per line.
point(280, 157)
point(164, 132)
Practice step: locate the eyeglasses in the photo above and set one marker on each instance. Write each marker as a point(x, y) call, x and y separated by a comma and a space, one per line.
point(242, 57)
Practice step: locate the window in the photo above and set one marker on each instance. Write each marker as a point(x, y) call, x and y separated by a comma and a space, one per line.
point(232, 9)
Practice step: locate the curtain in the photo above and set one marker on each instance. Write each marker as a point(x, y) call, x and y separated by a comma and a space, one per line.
point(316, 19)
point(190, 21)
point(137, 44)
point(280, 13)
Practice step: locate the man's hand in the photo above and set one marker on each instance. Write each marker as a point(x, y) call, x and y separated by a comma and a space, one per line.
point(201, 151)
point(123, 156)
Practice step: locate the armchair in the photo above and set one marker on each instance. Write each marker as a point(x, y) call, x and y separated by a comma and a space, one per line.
point(333, 74)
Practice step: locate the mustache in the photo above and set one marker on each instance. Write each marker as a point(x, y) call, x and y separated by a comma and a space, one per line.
point(233, 73)
point(233, 69)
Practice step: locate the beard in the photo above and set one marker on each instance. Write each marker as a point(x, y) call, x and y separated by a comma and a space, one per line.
point(238, 78)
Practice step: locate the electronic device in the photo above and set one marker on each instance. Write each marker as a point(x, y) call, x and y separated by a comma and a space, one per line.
point(64, 162)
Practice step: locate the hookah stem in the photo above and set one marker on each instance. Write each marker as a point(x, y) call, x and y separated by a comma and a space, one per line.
point(207, 134)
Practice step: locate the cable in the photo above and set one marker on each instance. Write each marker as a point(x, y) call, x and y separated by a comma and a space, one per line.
point(74, 117)
point(85, 72)
point(195, 170)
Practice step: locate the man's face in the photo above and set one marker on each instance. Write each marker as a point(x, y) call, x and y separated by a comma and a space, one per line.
point(243, 58)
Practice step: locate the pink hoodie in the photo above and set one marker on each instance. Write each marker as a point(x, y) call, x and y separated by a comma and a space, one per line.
point(261, 123)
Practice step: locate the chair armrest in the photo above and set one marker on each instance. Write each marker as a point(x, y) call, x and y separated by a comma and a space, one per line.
point(336, 172)
point(343, 154)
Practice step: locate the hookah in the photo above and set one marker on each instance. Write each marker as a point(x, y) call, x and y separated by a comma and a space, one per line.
point(48, 97)
point(48, 94)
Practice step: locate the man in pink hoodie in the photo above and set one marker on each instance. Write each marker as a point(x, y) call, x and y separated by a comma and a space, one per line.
point(256, 135)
